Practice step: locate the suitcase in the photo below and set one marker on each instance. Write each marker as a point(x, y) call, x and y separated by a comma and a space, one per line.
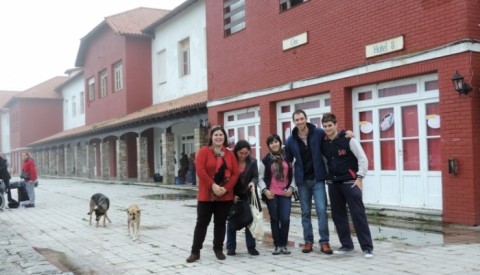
point(22, 194)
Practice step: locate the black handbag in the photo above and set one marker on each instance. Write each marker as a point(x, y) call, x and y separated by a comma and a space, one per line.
point(240, 215)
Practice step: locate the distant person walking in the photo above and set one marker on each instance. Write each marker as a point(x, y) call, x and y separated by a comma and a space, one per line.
point(5, 176)
point(29, 175)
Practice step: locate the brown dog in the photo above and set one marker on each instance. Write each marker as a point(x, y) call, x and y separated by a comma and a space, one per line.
point(99, 203)
point(133, 220)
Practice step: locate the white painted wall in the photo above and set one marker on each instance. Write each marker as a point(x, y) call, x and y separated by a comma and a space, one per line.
point(5, 122)
point(190, 23)
point(70, 90)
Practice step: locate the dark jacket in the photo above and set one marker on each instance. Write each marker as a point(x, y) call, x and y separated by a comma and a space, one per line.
point(249, 174)
point(342, 163)
point(293, 152)
point(4, 174)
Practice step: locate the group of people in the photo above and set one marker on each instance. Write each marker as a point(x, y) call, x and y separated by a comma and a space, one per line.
point(28, 176)
point(311, 159)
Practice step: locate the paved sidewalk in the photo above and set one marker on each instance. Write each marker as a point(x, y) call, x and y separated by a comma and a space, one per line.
point(57, 229)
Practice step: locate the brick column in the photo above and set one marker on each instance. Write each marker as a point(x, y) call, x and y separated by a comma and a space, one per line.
point(168, 157)
point(90, 160)
point(105, 159)
point(143, 171)
point(121, 160)
point(60, 161)
point(68, 161)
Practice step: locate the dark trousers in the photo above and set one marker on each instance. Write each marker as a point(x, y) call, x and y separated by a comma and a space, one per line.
point(7, 186)
point(341, 195)
point(279, 209)
point(205, 210)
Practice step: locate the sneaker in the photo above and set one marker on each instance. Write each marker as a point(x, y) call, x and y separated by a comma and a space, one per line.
point(252, 251)
point(342, 250)
point(325, 248)
point(367, 254)
point(277, 251)
point(285, 250)
point(231, 252)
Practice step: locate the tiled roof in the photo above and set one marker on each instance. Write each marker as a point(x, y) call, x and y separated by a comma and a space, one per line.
point(44, 90)
point(5, 97)
point(170, 15)
point(132, 22)
point(189, 102)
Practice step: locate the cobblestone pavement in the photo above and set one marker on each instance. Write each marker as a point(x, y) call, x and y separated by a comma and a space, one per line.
point(55, 238)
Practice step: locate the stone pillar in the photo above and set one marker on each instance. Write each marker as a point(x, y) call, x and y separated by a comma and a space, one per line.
point(143, 171)
point(80, 156)
point(121, 159)
point(201, 137)
point(52, 162)
point(90, 160)
point(105, 159)
point(61, 161)
point(168, 157)
point(68, 161)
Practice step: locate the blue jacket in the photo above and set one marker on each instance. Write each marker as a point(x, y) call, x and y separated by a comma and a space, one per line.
point(292, 151)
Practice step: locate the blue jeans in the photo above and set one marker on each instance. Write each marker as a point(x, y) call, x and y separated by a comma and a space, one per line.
point(279, 208)
point(232, 238)
point(307, 190)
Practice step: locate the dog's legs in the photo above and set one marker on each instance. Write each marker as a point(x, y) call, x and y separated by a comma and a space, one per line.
point(106, 216)
point(128, 225)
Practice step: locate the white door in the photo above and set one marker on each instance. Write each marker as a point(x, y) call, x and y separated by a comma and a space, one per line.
point(398, 125)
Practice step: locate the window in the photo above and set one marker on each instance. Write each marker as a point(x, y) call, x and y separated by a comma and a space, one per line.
point(91, 89)
point(162, 67)
point(82, 102)
point(233, 16)
point(118, 68)
point(244, 124)
point(66, 108)
point(288, 4)
point(74, 106)
point(185, 57)
point(103, 83)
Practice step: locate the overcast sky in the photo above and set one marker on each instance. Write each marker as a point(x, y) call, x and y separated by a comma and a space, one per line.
point(39, 39)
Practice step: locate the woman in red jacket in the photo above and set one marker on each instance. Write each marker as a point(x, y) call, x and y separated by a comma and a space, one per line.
point(29, 172)
point(217, 171)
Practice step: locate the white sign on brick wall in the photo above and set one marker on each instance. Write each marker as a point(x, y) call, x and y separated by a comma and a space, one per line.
point(383, 47)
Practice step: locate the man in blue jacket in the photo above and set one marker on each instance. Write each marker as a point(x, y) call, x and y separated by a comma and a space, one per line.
point(304, 146)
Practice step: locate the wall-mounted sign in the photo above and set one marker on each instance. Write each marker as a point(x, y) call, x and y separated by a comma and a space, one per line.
point(295, 41)
point(383, 47)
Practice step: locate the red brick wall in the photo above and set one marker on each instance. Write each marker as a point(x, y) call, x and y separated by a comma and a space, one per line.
point(338, 32)
point(106, 50)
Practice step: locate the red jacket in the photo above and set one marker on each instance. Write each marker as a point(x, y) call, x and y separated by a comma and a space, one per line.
point(206, 164)
point(29, 167)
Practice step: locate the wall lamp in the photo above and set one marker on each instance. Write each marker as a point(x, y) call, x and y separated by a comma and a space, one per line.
point(460, 85)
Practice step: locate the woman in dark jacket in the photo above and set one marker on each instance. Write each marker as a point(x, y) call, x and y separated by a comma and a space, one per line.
point(247, 180)
point(5, 176)
point(275, 181)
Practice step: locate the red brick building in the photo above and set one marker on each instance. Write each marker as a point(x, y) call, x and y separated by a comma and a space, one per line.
point(384, 67)
point(28, 112)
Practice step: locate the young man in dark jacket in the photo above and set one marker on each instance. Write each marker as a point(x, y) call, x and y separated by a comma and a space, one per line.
point(304, 146)
point(347, 166)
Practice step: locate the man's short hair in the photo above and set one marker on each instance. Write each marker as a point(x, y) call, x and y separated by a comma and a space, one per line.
point(329, 117)
point(297, 112)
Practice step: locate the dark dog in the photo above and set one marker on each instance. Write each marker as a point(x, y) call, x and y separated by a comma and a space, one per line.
point(99, 203)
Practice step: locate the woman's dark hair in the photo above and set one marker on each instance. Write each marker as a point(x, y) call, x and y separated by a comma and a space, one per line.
point(272, 138)
point(213, 130)
point(240, 145)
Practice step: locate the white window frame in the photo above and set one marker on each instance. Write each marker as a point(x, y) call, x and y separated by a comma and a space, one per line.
point(236, 124)
point(184, 56)
point(74, 106)
point(82, 102)
point(118, 69)
point(103, 83)
point(91, 89)
point(233, 16)
point(162, 67)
